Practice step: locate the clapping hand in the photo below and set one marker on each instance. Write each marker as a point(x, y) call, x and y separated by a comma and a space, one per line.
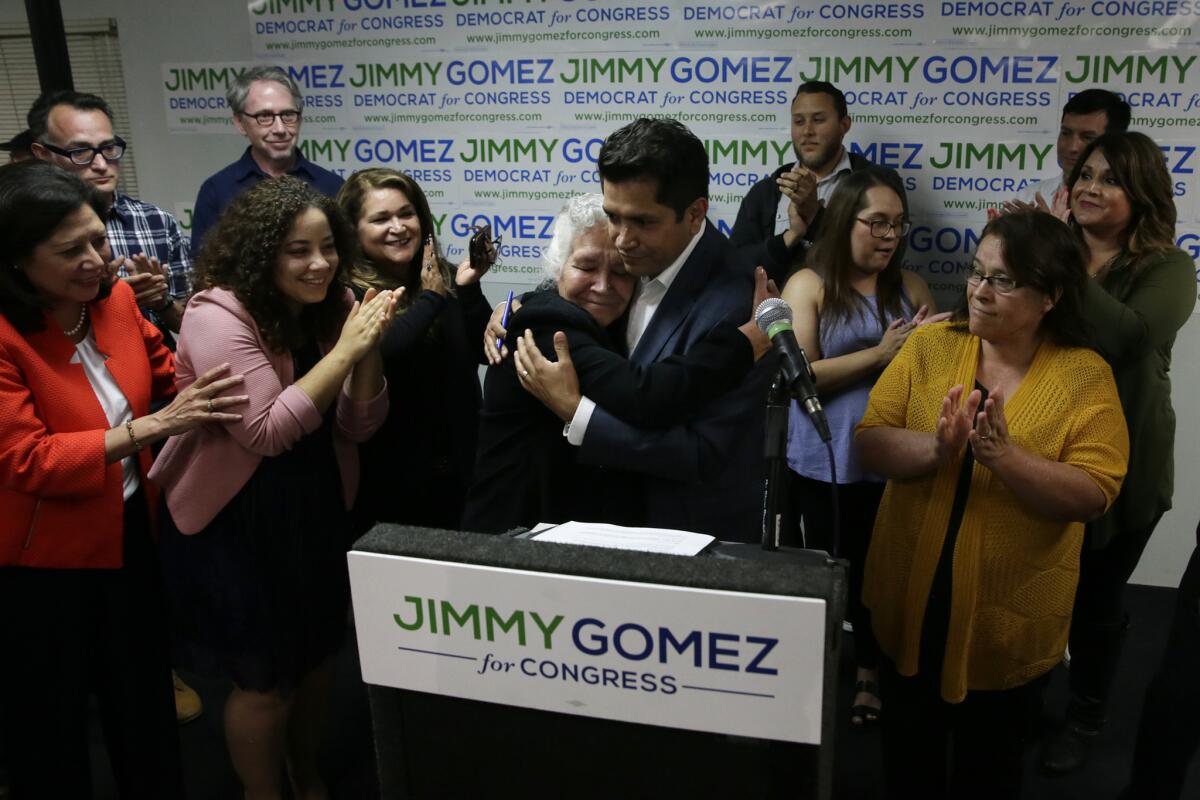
point(1059, 206)
point(367, 322)
point(989, 439)
point(146, 277)
point(763, 289)
point(956, 423)
point(432, 279)
point(799, 185)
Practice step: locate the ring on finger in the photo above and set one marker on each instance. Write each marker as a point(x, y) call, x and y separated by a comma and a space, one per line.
point(210, 405)
point(525, 373)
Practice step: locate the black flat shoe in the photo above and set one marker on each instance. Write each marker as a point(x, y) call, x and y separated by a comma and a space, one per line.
point(863, 714)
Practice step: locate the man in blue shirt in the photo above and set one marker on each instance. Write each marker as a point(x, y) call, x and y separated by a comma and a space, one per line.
point(267, 108)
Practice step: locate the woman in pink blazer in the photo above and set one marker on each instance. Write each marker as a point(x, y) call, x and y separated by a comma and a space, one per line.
point(255, 536)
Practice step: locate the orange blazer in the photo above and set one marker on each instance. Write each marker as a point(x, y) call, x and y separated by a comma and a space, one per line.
point(61, 505)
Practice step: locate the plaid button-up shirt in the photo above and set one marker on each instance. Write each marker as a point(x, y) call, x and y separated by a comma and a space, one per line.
point(137, 227)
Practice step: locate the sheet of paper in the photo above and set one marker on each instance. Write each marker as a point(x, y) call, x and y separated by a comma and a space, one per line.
point(649, 540)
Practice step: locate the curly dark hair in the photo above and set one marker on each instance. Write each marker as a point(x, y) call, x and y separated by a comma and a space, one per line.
point(244, 248)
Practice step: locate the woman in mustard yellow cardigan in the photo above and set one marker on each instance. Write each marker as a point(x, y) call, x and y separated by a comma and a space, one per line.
point(1000, 434)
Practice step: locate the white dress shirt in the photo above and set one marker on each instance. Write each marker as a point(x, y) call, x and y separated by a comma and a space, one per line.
point(1047, 187)
point(112, 399)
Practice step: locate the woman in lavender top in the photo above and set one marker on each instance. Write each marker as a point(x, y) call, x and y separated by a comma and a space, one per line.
point(854, 307)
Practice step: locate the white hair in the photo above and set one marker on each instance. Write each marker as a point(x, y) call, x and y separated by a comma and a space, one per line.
point(581, 213)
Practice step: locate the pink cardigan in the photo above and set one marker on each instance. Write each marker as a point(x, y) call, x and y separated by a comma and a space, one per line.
point(203, 469)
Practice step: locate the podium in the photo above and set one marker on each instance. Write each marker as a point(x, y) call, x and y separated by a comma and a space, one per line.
point(505, 665)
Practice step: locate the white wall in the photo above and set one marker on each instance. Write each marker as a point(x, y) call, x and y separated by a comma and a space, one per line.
point(1172, 544)
point(171, 169)
point(153, 32)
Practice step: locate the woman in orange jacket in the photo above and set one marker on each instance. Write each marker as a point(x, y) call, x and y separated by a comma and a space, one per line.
point(81, 607)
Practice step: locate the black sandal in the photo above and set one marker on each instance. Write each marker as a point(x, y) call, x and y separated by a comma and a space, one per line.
point(862, 714)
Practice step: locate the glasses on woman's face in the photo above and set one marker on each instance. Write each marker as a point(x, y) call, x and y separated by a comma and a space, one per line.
point(881, 228)
point(1002, 283)
point(266, 119)
point(84, 156)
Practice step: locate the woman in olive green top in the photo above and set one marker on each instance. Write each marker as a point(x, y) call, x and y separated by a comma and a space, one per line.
point(1142, 291)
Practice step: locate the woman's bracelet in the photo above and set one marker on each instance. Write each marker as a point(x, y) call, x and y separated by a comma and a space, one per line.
point(133, 437)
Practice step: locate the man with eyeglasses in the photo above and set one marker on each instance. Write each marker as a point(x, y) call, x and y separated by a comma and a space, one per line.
point(74, 130)
point(267, 109)
point(781, 214)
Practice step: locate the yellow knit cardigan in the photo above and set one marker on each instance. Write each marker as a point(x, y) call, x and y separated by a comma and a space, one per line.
point(1014, 572)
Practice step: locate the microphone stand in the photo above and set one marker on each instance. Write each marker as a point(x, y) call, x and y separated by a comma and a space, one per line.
point(779, 400)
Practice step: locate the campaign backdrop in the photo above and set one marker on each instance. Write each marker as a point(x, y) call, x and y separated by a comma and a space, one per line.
point(498, 107)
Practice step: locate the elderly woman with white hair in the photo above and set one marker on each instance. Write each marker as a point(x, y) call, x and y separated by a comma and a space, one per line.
point(526, 471)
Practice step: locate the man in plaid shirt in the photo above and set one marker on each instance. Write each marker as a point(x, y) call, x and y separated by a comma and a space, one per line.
point(74, 131)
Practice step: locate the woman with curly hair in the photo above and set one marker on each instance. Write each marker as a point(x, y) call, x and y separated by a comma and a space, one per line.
point(254, 538)
point(417, 468)
point(1142, 291)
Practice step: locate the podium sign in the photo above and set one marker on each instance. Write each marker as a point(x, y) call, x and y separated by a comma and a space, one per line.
point(696, 659)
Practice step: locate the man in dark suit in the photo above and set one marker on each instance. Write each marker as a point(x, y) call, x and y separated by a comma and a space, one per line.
point(781, 215)
point(704, 473)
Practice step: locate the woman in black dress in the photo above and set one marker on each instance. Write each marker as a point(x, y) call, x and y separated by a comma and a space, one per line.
point(417, 468)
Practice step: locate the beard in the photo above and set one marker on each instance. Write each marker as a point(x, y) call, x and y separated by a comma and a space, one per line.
point(821, 158)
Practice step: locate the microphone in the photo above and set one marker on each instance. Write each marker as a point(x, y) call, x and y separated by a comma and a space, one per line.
point(774, 318)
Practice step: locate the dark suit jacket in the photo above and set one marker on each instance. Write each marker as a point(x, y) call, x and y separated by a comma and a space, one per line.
point(754, 237)
point(527, 472)
point(705, 472)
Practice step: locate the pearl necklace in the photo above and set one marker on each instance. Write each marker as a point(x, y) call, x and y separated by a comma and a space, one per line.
point(78, 325)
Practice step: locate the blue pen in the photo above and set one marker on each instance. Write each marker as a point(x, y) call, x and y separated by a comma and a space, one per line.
point(504, 319)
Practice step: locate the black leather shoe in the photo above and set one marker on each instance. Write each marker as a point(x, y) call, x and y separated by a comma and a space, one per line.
point(1068, 748)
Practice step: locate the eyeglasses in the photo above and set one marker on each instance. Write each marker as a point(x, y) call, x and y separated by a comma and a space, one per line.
point(266, 119)
point(84, 156)
point(881, 228)
point(1000, 282)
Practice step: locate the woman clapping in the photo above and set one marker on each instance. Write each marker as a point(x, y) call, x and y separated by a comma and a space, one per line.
point(257, 523)
point(1000, 435)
